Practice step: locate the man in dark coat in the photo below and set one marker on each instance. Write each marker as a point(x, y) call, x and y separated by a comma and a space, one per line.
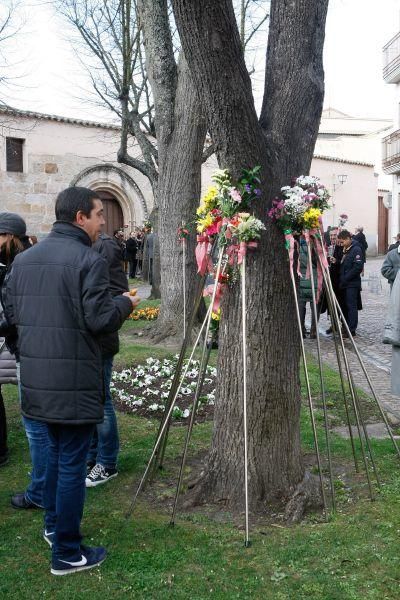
point(131, 251)
point(104, 448)
point(58, 296)
point(335, 254)
point(361, 240)
point(351, 268)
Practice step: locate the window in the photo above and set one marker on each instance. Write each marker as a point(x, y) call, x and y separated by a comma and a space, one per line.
point(14, 153)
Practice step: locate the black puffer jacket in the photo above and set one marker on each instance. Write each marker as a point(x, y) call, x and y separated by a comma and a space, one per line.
point(351, 267)
point(58, 296)
point(109, 249)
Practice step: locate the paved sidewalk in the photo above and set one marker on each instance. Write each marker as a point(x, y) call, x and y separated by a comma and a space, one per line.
point(376, 356)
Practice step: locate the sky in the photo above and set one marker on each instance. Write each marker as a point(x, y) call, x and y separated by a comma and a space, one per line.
point(52, 80)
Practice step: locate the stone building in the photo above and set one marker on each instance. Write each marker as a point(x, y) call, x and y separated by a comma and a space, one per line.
point(43, 154)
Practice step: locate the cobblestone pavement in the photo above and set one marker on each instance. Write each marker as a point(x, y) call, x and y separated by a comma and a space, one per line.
point(376, 356)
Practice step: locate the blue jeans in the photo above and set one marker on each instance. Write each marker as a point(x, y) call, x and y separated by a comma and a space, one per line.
point(38, 441)
point(105, 442)
point(64, 489)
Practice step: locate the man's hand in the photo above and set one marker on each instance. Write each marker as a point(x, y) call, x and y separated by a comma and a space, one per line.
point(133, 298)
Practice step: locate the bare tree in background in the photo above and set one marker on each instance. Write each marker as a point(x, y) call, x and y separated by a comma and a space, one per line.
point(282, 143)
point(9, 28)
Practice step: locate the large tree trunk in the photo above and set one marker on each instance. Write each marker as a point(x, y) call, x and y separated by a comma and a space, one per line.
point(283, 147)
point(179, 193)
point(181, 132)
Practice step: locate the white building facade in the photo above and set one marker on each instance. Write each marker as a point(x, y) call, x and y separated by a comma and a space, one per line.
point(391, 143)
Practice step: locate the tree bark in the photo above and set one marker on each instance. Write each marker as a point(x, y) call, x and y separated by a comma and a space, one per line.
point(283, 145)
point(181, 133)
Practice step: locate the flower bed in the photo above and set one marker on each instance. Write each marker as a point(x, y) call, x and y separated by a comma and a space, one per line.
point(144, 389)
point(148, 314)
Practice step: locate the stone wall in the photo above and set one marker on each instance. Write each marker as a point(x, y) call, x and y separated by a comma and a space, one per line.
point(58, 154)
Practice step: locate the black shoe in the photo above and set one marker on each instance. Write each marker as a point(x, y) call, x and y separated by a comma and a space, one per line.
point(20, 501)
point(3, 459)
point(329, 331)
point(99, 475)
point(89, 467)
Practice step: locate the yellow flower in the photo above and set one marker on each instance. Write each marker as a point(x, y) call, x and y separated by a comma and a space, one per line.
point(208, 202)
point(204, 222)
point(216, 316)
point(311, 218)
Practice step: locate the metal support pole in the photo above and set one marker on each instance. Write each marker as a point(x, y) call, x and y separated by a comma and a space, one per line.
point(200, 381)
point(184, 284)
point(167, 418)
point(247, 542)
point(314, 306)
point(208, 318)
point(329, 287)
point(310, 401)
point(382, 412)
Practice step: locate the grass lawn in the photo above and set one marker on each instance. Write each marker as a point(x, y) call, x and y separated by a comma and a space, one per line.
point(355, 555)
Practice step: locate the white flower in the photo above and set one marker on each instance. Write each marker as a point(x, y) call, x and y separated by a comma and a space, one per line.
point(186, 413)
point(137, 402)
point(153, 407)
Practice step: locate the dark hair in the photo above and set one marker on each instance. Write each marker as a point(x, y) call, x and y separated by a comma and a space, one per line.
point(10, 248)
point(344, 235)
point(72, 200)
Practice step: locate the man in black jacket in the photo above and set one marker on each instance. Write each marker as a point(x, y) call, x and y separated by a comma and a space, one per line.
point(58, 296)
point(104, 448)
point(351, 268)
point(131, 251)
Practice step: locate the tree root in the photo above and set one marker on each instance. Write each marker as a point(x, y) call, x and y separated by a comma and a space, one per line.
point(306, 495)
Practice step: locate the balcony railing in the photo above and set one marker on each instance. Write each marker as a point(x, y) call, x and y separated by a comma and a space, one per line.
point(391, 60)
point(391, 153)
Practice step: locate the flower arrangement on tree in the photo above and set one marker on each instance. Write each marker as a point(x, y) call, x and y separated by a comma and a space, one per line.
point(222, 217)
point(342, 220)
point(298, 212)
point(300, 206)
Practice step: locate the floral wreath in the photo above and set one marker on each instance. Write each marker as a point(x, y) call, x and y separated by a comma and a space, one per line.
point(223, 218)
point(298, 212)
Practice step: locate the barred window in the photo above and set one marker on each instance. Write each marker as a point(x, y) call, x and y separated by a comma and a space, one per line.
point(14, 154)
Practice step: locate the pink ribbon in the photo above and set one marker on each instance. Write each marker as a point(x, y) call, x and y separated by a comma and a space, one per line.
point(203, 249)
point(239, 251)
point(209, 290)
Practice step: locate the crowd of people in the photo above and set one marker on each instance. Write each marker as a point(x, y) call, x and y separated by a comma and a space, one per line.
point(135, 249)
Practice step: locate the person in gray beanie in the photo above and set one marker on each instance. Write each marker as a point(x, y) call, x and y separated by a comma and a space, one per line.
point(12, 227)
point(13, 224)
point(13, 241)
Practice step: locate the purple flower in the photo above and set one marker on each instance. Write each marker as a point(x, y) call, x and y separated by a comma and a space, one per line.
point(257, 192)
point(247, 187)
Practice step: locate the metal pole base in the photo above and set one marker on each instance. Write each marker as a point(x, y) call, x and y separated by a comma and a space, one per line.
point(247, 544)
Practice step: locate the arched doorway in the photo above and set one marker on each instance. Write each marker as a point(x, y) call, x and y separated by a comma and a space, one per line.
point(112, 212)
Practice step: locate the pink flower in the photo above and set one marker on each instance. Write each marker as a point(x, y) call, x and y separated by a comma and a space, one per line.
point(235, 195)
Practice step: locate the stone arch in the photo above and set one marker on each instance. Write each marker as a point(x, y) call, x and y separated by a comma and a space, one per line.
point(114, 179)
